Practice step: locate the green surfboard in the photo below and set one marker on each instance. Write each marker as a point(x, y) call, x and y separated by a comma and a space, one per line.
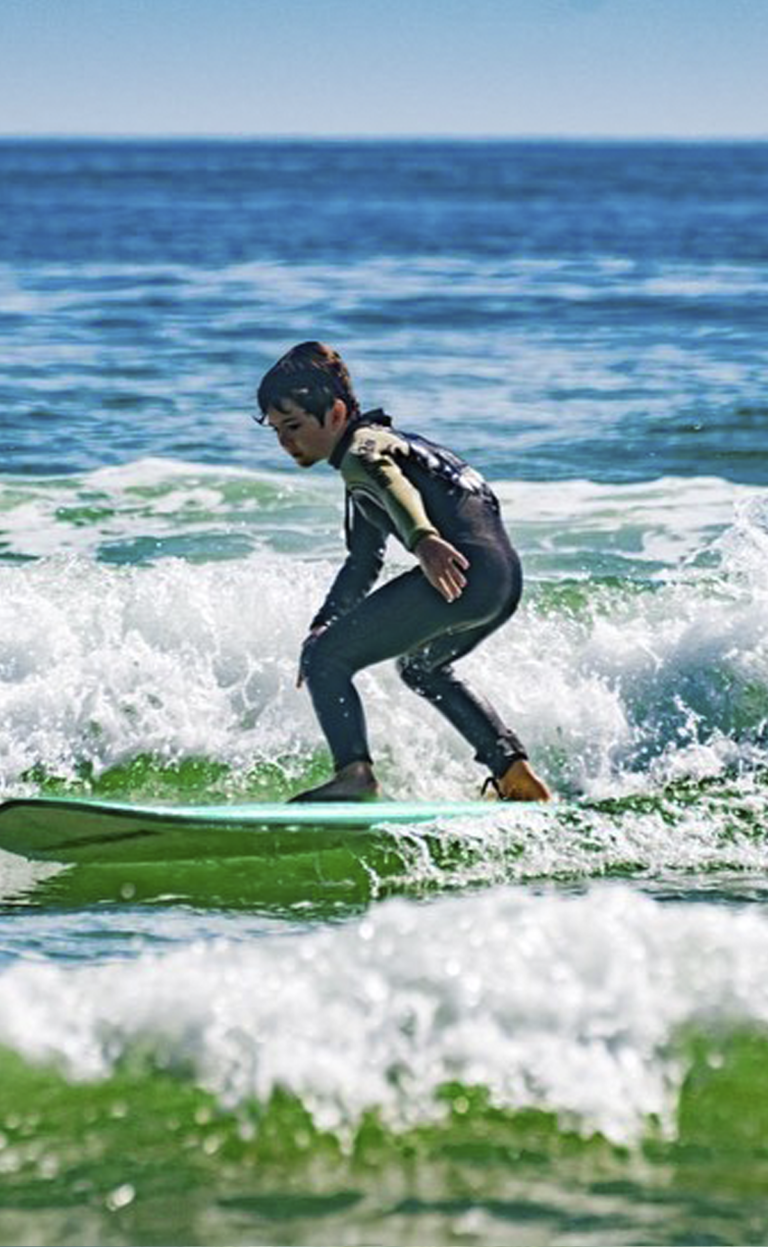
point(64, 830)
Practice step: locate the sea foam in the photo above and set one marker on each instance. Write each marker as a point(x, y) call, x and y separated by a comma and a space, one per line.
point(116, 650)
point(568, 1004)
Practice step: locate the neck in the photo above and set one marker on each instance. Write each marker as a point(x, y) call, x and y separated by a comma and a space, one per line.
point(342, 441)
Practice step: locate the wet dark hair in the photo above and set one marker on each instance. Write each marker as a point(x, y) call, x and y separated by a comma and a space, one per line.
point(313, 375)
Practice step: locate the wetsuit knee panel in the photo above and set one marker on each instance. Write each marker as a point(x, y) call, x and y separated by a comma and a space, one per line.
point(324, 657)
point(415, 673)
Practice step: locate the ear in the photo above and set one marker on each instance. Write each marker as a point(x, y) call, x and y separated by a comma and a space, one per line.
point(337, 415)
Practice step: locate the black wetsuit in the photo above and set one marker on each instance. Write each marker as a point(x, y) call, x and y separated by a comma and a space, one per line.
point(403, 485)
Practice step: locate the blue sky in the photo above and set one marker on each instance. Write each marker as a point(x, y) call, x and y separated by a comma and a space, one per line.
point(683, 68)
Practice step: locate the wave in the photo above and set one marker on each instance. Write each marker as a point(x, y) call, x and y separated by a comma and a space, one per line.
point(270, 1171)
point(133, 514)
point(181, 672)
point(591, 1009)
point(147, 1156)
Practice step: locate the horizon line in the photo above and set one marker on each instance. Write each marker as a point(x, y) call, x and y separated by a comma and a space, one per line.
point(235, 136)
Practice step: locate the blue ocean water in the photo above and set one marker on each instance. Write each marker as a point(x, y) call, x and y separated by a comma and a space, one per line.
point(563, 310)
point(541, 1026)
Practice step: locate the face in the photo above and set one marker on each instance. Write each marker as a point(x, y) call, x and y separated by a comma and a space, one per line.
point(302, 436)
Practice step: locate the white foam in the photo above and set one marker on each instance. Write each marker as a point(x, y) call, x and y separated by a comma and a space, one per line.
point(100, 664)
point(662, 521)
point(666, 520)
point(156, 501)
point(564, 1003)
point(103, 664)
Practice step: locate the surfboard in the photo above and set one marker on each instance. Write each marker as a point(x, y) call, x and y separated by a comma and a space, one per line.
point(68, 830)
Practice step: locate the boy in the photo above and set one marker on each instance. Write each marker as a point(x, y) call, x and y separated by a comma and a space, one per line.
point(467, 584)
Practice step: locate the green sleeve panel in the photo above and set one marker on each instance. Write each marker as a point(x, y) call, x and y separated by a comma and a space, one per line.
point(371, 467)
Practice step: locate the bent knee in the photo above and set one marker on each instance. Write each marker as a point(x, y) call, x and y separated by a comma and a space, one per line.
point(414, 673)
point(323, 657)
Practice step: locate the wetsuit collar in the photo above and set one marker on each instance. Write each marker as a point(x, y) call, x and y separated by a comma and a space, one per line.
point(375, 416)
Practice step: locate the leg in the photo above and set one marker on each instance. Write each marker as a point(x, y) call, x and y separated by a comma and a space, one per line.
point(408, 617)
point(404, 614)
point(429, 672)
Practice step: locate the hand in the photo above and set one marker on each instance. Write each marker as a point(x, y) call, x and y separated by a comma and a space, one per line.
point(313, 634)
point(443, 565)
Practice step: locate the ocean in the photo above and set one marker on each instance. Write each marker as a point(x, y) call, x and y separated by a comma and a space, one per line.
point(540, 1026)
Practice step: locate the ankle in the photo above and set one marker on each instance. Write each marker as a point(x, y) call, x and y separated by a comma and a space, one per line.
point(360, 769)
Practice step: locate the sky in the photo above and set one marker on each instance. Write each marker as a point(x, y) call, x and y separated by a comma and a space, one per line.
point(333, 68)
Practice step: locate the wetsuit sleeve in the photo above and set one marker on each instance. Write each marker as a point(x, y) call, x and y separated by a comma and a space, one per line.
point(371, 466)
point(364, 561)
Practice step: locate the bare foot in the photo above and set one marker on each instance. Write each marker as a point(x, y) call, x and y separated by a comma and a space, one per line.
point(355, 782)
point(521, 783)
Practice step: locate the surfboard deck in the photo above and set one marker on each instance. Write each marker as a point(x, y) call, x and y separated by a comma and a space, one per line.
point(70, 830)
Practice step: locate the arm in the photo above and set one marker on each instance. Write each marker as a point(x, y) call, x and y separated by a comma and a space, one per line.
point(373, 466)
point(365, 545)
point(364, 561)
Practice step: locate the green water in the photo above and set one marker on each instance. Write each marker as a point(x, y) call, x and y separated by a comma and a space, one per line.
point(478, 1173)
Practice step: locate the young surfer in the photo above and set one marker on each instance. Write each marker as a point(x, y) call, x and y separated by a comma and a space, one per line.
point(466, 584)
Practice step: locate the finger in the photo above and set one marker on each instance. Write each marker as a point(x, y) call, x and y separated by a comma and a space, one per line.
point(456, 579)
point(447, 589)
